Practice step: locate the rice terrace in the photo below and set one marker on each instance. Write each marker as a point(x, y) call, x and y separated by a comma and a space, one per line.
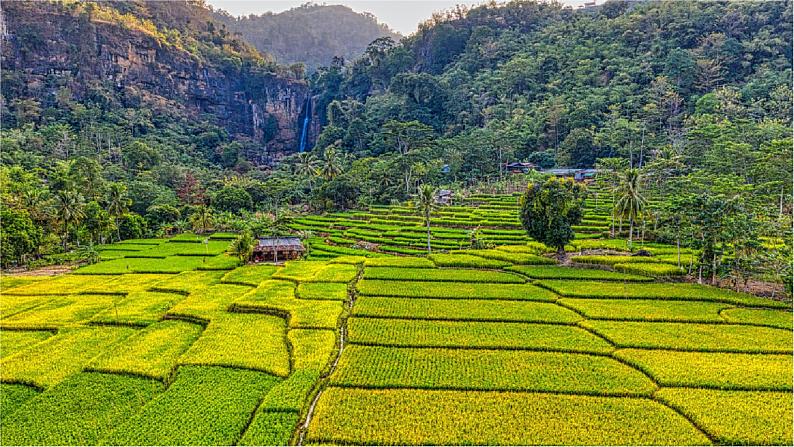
point(171, 342)
point(396, 222)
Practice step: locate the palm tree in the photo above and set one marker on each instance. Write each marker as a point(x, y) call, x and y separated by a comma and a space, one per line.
point(630, 202)
point(243, 246)
point(201, 219)
point(426, 201)
point(69, 211)
point(330, 163)
point(306, 165)
point(117, 203)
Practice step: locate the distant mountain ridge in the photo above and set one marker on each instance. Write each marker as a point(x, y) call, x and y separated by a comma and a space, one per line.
point(311, 34)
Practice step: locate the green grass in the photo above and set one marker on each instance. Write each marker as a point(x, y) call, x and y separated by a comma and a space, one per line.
point(209, 302)
point(49, 362)
point(270, 428)
point(648, 310)
point(311, 348)
point(612, 259)
point(713, 369)
point(299, 270)
point(558, 272)
point(134, 282)
point(671, 291)
point(399, 261)
point(10, 281)
point(12, 342)
point(12, 396)
point(14, 304)
point(650, 269)
point(453, 290)
point(694, 336)
point(475, 310)
point(511, 257)
point(429, 417)
point(423, 274)
point(78, 411)
point(153, 352)
point(172, 264)
point(204, 406)
point(278, 297)
point(775, 318)
point(736, 417)
point(249, 341)
point(292, 393)
point(322, 291)
point(336, 273)
point(419, 333)
point(138, 308)
point(60, 285)
point(187, 282)
point(486, 370)
point(467, 261)
point(61, 311)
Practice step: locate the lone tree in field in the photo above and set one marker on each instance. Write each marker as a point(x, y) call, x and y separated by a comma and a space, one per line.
point(630, 202)
point(243, 246)
point(549, 208)
point(425, 201)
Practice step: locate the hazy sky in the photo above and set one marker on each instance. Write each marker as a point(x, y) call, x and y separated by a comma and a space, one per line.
point(401, 15)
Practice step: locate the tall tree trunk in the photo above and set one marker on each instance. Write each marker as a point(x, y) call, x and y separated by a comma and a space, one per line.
point(631, 229)
point(714, 268)
point(427, 219)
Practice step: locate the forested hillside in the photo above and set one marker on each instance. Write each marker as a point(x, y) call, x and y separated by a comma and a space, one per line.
point(706, 84)
point(311, 34)
point(123, 119)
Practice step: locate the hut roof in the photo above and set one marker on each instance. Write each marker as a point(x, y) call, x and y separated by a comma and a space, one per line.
point(280, 243)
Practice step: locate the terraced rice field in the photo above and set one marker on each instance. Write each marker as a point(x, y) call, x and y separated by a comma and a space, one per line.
point(166, 344)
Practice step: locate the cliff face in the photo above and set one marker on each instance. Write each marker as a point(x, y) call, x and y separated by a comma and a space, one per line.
point(48, 46)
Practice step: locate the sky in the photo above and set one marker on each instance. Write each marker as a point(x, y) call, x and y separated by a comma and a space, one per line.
point(402, 16)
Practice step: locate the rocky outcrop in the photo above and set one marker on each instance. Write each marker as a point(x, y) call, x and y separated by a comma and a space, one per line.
point(47, 46)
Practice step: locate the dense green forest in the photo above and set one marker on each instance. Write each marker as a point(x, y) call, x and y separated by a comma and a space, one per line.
point(311, 34)
point(695, 96)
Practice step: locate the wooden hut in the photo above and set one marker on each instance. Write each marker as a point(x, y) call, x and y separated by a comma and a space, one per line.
point(275, 249)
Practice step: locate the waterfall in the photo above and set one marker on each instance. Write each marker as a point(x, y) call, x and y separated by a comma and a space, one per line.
point(306, 120)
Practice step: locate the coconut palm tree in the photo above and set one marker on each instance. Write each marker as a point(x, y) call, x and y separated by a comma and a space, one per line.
point(201, 219)
point(330, 166)
point(117, 203)
point(426, 202)
point(306, 166)
point(630, 202)
point(69, 211)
